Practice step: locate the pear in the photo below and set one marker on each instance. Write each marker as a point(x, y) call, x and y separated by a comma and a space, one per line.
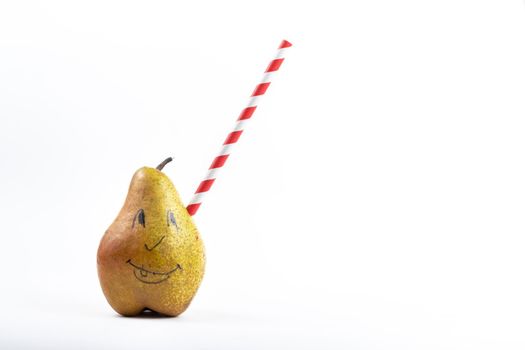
point(151, 257)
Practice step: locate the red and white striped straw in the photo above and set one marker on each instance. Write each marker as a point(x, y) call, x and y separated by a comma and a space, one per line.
point(234, 136)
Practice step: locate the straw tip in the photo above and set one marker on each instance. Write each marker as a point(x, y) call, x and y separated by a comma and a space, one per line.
point(284, 44)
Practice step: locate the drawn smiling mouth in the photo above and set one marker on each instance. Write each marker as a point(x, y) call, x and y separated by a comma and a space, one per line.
point(151, 277)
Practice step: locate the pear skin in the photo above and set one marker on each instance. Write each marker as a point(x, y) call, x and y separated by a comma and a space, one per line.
point(152, 256)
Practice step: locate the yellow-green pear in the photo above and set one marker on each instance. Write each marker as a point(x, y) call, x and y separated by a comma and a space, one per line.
point(151, 257)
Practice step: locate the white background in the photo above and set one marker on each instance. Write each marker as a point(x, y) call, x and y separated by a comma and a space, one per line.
point(376, 200)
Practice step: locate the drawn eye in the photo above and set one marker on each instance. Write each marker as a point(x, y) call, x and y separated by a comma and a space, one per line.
point(171, 219)
point(140, 217)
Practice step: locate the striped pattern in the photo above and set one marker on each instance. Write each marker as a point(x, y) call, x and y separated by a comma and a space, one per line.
point(236, 133)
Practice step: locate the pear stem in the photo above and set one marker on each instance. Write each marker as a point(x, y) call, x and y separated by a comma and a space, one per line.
point(164, 162)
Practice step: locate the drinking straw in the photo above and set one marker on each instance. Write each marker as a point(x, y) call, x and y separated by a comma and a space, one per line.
point(236, 133)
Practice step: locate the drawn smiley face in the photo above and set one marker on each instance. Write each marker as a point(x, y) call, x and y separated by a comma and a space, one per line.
point(146, 275)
